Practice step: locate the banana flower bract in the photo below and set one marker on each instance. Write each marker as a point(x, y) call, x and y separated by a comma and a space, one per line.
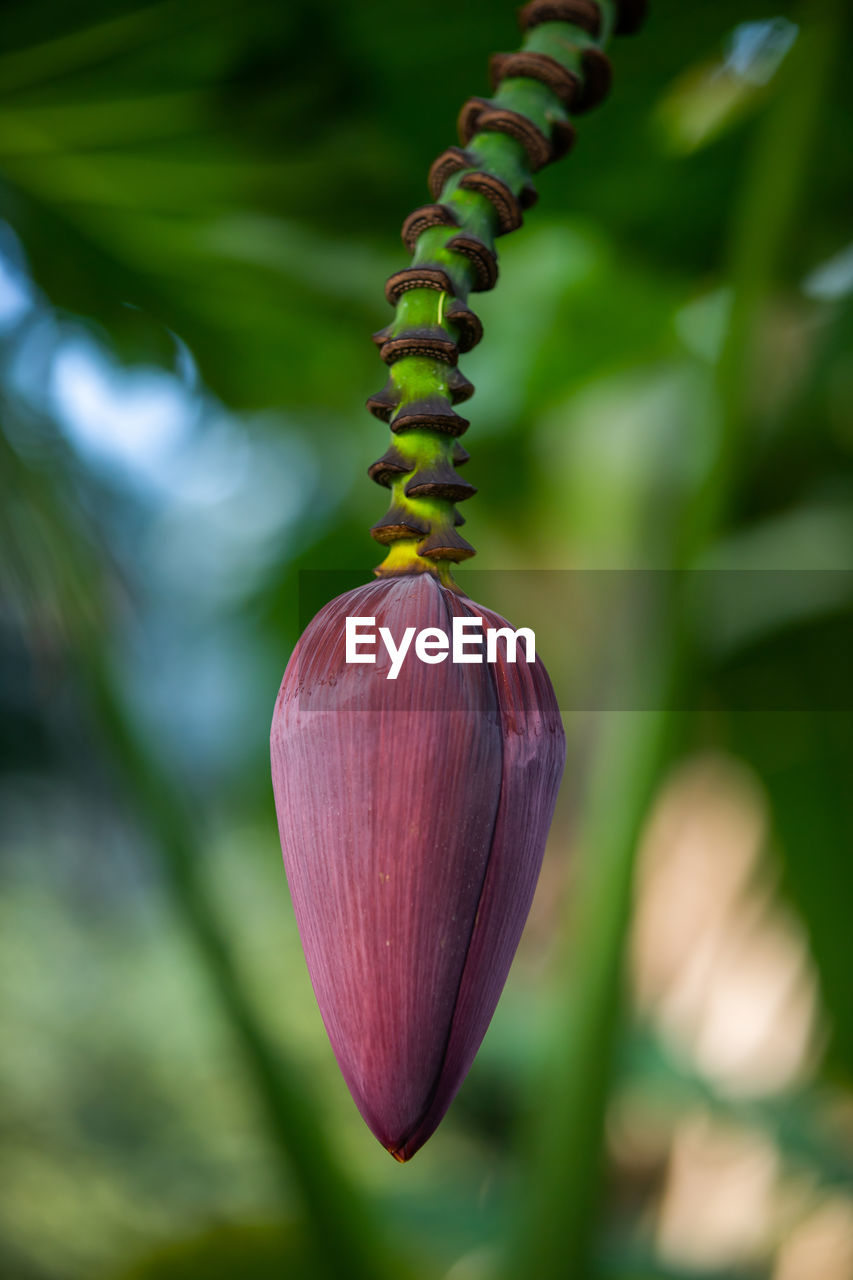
point(413, 815)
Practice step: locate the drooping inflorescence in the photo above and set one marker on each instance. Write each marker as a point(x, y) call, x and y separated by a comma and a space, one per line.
point(414, 798)
point(413, 814)
point(480, 191)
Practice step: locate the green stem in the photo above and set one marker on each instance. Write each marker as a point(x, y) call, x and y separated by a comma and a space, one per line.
point(557, 1224)
point(341, 1227)
point(770, 196)
point(343, 1232)
point(479, 195)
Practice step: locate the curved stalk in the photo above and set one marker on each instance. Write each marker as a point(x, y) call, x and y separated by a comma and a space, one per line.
point(559, 1217)
point(480, 192)
point(345, 1235)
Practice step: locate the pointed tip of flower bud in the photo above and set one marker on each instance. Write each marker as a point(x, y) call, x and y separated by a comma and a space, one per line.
point(413, 814)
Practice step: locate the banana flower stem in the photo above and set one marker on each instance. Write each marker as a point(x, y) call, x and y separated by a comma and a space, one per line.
point(480, 192)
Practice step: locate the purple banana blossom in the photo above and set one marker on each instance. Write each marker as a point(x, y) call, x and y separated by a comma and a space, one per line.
point(413, 814)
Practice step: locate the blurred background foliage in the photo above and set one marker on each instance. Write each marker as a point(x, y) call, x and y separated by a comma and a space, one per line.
point(199, 204)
